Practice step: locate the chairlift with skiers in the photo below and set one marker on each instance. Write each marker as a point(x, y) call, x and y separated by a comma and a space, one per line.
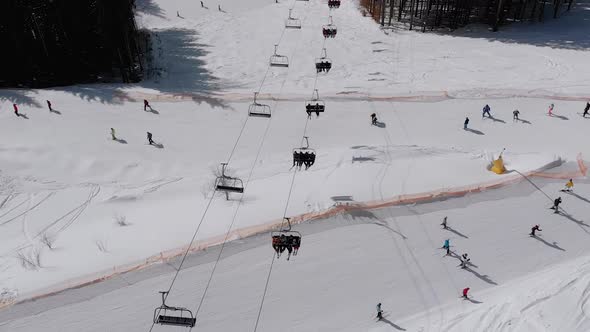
point(228, 184)
point(315, 105)
point(329, 30)
point(304, 155)
point(286, 239)
point(175, 316)
point(277, 60)
point(323, 63)
point(292, 22)
point(334, 3)
point(257, 109)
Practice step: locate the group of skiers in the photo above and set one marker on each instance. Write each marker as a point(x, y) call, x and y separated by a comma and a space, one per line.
point(515, 114)
point(323, 66)
point(289, 242)
point(303, 158)
point(373, 119)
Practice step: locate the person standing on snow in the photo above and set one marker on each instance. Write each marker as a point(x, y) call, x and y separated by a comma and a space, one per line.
point(534, 229)
point(373, 119)
point(49, 106)
point(149, 137)
point(465, 291)
point(113, 134)
point(586, 109)
point(515, 114)
point(444, 223)
point(465, 123)
point(379, 311)
point(464, 260)
point(146, 104)
point(447, 246)
point(556, 203)
point(550, 112)
point(15, 110)
point(486, 110)
point(569, 185)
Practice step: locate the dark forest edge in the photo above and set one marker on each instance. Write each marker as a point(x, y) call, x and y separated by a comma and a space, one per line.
point(65, 42)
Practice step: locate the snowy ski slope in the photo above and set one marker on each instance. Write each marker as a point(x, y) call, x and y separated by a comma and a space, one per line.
point(62, 177)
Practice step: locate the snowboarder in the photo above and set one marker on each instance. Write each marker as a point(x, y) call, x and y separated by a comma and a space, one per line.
point(486, 110)
point(465, 123)
point(534, 229)
point(464, 260)
point(49, 106)
point(550, 112)
point(379, 312)
point(447, 246)
point(15, 110)
point(556, 203)
point(444, 223)
point(373, 119)
point(465, 291)
point(569, 185)
point(586, 109)
point(515, 114)
point(113, 134)
point(149, 137)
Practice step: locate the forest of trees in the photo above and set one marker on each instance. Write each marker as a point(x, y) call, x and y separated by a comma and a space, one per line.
point(62, 42)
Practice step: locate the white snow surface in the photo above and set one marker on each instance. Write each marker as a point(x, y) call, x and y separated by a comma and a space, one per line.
point(63, 178)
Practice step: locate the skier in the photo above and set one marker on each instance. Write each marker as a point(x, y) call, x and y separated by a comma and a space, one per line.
point(556, 203)
point(202, 4)
point(447, 246)
point(219, 7)
point(486, 110)
point(551, 110)
point(444, 223)
point(373, 119)
point(149, 137)
point(465, 290)
point(515, 114)
point(569, 185)
point(534, 229)
point(15, 110)
point(465, 123)
point(49, 105)
point(586, 109)
point(146, 104)
point(379, 311)
point(113, 134)
point(464, 260)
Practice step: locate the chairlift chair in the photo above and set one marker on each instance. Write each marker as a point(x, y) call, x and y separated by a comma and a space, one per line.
point(315, 105)
point(292, 23)
point(257, 109)
point(280, 239)
point(329, 30)
point(175, 316)
point(334, 3)
point(277, 60)
point(304, 155)
point(323, 63)
point(228, 184)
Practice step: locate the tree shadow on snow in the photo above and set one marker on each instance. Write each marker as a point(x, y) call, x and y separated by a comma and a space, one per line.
point(477, 132)
point(149, 7)
point(19, 97)
point(568, 31)
point(397, 327)
point(552, 245)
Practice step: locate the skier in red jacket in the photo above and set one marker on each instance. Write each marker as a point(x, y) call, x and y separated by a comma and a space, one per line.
point(15, 109)
point(465, 290)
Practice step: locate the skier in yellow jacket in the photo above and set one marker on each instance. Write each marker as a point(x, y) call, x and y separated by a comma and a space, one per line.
point(569, 185)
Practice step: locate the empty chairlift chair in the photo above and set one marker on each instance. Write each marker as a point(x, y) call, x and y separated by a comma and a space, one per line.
point(277, 60)
point(259, 110)
point(323, 64)
point(304, 155)
point(292, 23)
point(329, 30)
point(286, 239)
point(176, 316)
point(315, 105)
point(334, 3)
point(228, 184)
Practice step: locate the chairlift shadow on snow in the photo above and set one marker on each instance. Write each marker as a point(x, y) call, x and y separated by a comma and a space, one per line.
point(552, 245)
point(475, 131)
point(362, 159)
point(397, 327)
